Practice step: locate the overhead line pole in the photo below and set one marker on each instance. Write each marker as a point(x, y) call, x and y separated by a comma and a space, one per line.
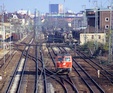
point(84, 23)
point(112, 28)
point(64, 15)
point(96, 25)
point(3, 29)
point(35, 24)
point(110, 58)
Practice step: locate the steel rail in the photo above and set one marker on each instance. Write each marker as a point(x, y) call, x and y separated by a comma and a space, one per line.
point(36, 62)
point(72, 84)
point(44, 73)
point(14, 73)
point(100, 89)
point(99, 68)
point(22, 72)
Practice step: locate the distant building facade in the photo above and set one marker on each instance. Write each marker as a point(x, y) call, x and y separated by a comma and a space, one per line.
point(91, 15)
point(103, 18)
point(22, 11)
point(55, 8)
point(100, 37)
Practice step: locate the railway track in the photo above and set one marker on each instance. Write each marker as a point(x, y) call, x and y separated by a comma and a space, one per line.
point(36, 71)
point(8, 63)
point(43, 70)
point(4, 62)
point(65, 79)
point(16, 80)
point(54, 75)
point(45, 75)
point(87, 79)
point(103, 75)
point(104, 78)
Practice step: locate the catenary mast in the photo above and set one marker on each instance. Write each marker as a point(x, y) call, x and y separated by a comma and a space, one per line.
point(110, 56)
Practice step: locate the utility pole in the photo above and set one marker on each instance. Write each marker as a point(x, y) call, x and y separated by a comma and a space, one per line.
point(112, 28)
point(64, 17)
point(110, 57)
point(74, 21)
point(85, 24)
point(2, 10)
point(35, 24)
point(96, 25)
point(3, 31)
point(39, 21)
point(56, 22)
point(10, 36)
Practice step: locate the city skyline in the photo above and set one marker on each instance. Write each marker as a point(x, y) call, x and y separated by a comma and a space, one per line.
point(73, 5)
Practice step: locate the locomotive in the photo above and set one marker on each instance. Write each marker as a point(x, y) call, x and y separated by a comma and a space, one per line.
point(63, 63)
point(59, 36)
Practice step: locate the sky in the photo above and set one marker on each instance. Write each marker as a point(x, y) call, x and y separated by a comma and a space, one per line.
point(43, 5)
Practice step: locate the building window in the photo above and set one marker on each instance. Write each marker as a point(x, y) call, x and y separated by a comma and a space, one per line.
point(107, 19)
point(106, 26)
point(92, 36)
point(99, 36)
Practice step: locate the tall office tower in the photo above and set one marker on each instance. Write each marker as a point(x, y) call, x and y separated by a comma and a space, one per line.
point(55, 8)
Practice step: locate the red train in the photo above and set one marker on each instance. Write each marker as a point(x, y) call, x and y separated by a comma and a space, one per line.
point(63, 62)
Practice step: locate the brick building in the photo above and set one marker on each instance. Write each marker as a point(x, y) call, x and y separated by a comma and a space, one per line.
point(103, 18)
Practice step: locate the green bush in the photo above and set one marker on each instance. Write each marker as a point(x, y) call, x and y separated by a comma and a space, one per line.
point(91, 45)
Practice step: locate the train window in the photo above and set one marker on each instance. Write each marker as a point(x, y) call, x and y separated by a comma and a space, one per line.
point(59, 59)
point(67, 59)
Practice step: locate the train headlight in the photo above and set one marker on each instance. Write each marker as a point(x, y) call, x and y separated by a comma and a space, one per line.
point(64, 63)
